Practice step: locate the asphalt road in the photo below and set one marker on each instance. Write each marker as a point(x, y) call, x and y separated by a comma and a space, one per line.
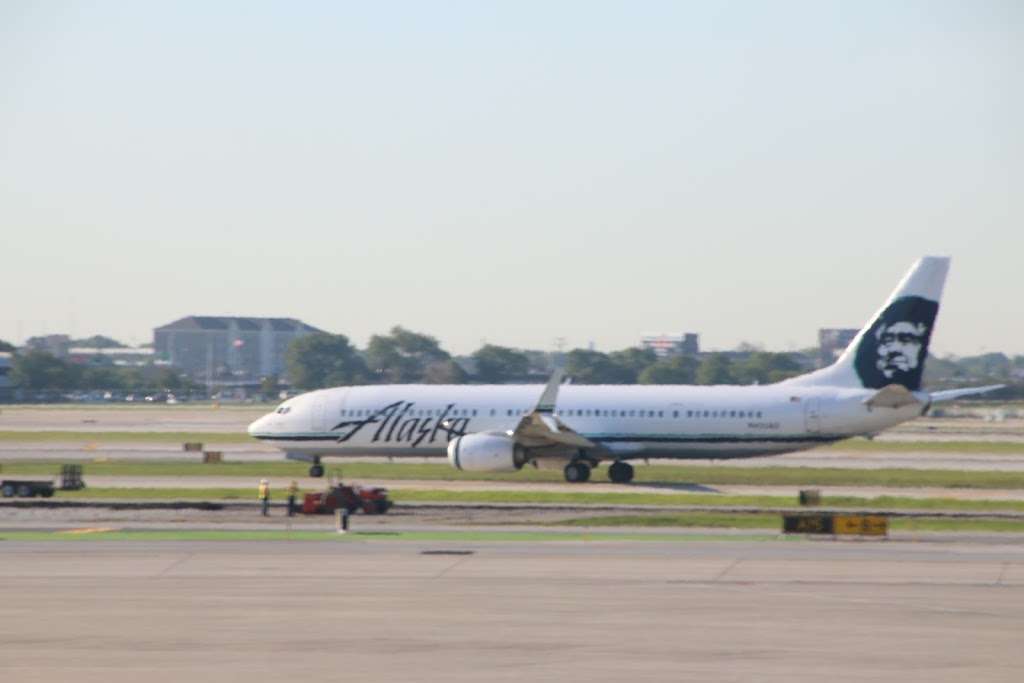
point(543, 611)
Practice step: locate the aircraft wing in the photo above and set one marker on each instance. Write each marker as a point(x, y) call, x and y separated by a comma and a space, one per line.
point(541, 427)
point(951, 394)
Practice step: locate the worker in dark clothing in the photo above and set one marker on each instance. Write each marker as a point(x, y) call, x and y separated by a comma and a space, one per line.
point(264, 494)
point(293, 491)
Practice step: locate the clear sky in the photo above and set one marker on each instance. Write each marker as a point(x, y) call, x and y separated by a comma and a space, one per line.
point(512, 172)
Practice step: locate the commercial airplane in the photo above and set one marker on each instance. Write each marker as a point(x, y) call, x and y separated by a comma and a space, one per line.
point(875, 384)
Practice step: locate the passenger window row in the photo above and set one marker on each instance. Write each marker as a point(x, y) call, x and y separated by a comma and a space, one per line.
point(422, 412)
point(676, 414)
point(472, 412)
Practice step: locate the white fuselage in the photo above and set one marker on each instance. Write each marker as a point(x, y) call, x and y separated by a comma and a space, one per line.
point(630, 421)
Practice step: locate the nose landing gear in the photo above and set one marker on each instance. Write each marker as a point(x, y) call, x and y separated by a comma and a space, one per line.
point(316, 470)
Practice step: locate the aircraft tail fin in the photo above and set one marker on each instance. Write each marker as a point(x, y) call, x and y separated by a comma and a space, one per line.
point(893, 346)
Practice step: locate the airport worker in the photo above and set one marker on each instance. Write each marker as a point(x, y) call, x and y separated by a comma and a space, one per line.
point(293, 491)
point(264, 495)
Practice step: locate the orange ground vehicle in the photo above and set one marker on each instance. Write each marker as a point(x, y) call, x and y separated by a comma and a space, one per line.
point(371, 500)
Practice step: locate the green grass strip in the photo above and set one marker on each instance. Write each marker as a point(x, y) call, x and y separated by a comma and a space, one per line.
point(861, 445)
point(668, 474)
point(234, 437)
point(122, 406)
point(773, 521)
point(709, 520)
point(708, 499)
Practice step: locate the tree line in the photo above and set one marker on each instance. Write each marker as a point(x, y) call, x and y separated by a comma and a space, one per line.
point(406, 357)
point(36, 370)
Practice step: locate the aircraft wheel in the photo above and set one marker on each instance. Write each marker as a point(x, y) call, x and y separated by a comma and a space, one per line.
point(577, 472)
point(620, 472)
point(316, 471)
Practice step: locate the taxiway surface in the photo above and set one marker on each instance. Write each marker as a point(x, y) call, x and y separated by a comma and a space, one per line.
point(599, 611)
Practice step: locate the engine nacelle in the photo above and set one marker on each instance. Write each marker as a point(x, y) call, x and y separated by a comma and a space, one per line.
point(486, 452)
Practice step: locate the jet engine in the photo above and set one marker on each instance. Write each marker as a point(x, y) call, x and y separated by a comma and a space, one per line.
point(486, 452)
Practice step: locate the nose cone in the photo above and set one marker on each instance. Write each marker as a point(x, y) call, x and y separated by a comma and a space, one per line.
point(256, 428)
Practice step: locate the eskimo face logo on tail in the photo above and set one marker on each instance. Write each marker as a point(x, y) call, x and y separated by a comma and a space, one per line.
point(893, 349)
point(899, 347)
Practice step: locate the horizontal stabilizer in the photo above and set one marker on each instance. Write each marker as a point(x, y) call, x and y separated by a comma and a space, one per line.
point(892, 396)
point(951, 394)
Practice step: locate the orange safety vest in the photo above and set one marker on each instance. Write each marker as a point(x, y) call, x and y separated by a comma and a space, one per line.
point(264, 491)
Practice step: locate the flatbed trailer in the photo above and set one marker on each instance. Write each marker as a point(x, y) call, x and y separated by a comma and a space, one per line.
point(25, 488)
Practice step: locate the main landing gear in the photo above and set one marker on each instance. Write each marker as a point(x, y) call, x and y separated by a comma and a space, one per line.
point(317, 470)
point(620, 472)
point(577, 471)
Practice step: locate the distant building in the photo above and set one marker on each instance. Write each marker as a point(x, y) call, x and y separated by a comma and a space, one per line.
point(108, 356)
point(664, 345)
point(54, 344)
point(6, 383)
point(206, 347)
point(832, 342)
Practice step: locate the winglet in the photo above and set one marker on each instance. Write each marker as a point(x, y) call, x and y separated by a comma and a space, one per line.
point(546, 404)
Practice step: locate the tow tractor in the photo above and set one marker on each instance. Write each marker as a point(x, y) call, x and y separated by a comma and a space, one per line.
point(371, 500)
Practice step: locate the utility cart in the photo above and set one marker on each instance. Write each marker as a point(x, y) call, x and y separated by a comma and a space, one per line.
point(371, 500)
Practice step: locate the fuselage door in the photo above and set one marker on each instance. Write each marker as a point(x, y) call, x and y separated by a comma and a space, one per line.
point(319, 412)
point(812, 414)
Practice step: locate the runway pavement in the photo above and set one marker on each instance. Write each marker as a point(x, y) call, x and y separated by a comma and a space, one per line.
point(595, 611)
point(130, 418)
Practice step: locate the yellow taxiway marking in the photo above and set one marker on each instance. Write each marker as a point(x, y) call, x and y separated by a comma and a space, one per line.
point(87, 530)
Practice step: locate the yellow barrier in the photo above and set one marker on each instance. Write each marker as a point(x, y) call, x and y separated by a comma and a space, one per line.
point(861, 525)
point(832, 524)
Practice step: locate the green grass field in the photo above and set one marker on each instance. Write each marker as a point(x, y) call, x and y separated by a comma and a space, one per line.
point(441, 471)
point(771, 521)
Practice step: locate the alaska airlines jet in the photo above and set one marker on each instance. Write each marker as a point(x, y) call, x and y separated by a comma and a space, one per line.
point(875, 384)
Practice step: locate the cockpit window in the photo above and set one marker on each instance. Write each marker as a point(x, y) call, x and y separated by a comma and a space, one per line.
point(283, 410)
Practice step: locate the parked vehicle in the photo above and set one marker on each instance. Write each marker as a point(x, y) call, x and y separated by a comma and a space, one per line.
point(371, 500)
